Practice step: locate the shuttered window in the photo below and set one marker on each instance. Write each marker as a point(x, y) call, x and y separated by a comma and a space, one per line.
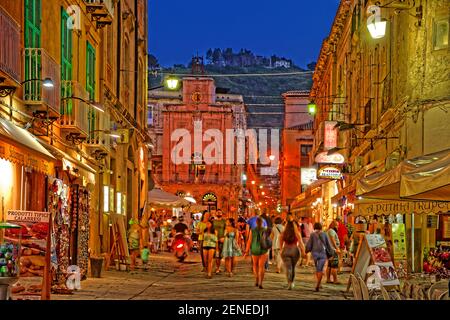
point(90, 84)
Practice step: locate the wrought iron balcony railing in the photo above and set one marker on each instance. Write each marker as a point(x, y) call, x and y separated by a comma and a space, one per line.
point(74, 112)
point(39, 65)
point(9, 46)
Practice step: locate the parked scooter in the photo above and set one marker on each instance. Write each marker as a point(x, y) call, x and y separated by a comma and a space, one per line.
point(180, 247)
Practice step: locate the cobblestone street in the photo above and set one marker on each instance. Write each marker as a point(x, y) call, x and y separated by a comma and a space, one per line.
point(168, 279)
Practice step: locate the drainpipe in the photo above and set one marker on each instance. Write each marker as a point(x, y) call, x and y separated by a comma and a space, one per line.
point(119, 46)
point(136, 57)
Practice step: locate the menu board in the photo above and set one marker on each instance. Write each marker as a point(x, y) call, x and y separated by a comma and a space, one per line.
point(382, 259)
point(33, 233)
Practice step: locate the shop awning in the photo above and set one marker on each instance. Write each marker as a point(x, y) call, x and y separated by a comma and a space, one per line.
point(370, 207)
point(19, 146)
point(413, 177)
point(158, 197)
point(430, 181)
point(68, 162)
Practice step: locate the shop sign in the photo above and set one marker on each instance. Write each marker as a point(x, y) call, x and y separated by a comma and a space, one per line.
point(329, 173)
point(402, 207)
point(308, 175)
point(331, 135)
point(335, 158)
point(34, 263)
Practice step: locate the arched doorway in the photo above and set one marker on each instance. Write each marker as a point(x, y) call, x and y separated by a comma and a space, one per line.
point(210, 200)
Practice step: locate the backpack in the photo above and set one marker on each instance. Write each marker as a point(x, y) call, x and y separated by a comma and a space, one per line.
point(266, 241)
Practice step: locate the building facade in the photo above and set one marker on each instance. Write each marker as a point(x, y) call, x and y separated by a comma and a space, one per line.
point(73, 75)
point(386, 100)
point(192, 154)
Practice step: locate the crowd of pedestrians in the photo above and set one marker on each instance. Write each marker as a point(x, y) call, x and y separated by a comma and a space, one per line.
point(268, 240)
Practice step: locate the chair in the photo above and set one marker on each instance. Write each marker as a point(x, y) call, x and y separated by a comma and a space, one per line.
point(444, 296)
point(385, 294)
point(357, 294)
point(364, 289)
point(406, 290)
point(434, 287)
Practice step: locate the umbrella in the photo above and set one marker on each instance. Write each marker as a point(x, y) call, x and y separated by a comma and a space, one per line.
point(159, 197)
point(197, 208)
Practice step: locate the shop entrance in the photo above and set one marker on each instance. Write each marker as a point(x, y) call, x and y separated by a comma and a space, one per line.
point(210, 200)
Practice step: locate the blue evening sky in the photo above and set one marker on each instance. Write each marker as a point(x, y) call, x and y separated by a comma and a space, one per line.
point(295, 29)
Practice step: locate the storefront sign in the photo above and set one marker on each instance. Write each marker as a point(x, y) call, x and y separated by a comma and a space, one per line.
point(33, 261)
point(331, 135)
point(399, 241)
point(335, 158)
point(23, 157)
point(308, 175)
point(329, 173)
point(402, 207)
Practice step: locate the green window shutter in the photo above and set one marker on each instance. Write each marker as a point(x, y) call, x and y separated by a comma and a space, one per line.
point(90, 82)
point(66, 63)
point(32, 39)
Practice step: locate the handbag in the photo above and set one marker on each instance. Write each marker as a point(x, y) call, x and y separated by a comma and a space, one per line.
point(329, 251)
point(266, 242)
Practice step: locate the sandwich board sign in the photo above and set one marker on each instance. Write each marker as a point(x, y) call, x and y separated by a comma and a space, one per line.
point(373, 251)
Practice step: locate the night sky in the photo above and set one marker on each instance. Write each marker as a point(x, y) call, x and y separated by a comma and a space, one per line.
point(294, 29)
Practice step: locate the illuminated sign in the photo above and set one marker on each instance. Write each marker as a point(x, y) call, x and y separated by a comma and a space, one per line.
point(335, 158)
point(331, 135)
point(329, 173)
point(308, 175)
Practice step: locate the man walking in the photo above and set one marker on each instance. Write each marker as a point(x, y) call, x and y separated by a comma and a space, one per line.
point(219, 227)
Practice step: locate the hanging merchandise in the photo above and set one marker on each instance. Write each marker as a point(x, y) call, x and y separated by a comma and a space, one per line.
point(83, 230)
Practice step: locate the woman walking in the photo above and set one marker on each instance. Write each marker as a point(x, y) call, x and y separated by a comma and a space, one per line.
point(290, 241)
point(210, 245)
point(318, 245)
point(200, 231)
point(333, 262)
point(231, 248)
point(276, 247)
point(259, 254)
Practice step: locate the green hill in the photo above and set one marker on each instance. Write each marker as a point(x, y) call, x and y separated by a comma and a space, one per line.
point(262, 90)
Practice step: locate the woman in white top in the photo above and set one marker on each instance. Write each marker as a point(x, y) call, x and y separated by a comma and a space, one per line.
point(275, 235)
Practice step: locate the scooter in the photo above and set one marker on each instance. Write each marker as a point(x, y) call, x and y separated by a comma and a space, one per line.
point(179, 247)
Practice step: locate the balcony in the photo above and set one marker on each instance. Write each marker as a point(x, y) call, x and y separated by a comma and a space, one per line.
point(39, 65)
point(74, 113)
point(102, 11)
point(98, 136)
point(9, 46)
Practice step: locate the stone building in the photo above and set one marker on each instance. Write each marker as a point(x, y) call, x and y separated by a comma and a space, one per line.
point(73, 74)
point(388, 99)
point(296, 144)
point(198, 113)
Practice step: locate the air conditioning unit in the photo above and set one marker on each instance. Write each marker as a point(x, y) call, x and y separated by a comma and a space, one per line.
point(358, 164)
point(123, 135)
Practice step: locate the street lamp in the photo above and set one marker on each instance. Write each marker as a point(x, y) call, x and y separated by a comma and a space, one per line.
point(272, 157)
point(376, 25)
point(93, 104)
point(312, 108)
point(46, 82)
point(172, 83)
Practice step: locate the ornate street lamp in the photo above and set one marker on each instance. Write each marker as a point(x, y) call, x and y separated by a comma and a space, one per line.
point(312, 108)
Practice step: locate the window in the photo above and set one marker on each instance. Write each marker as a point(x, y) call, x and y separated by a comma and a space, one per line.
point(441, 33)
point(368, 114)
point(90, 82)
point(150, 116)
point(305, 149)
point(32, 24)
point(66, 63)
point(32, 39)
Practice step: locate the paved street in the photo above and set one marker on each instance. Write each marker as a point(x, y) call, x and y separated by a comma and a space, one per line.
point(168, 279)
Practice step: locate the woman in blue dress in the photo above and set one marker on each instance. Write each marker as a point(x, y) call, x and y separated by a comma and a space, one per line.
point(231, 247)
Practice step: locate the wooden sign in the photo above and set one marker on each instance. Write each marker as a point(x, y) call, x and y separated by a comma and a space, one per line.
point(372, 250)
point(34, 259)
